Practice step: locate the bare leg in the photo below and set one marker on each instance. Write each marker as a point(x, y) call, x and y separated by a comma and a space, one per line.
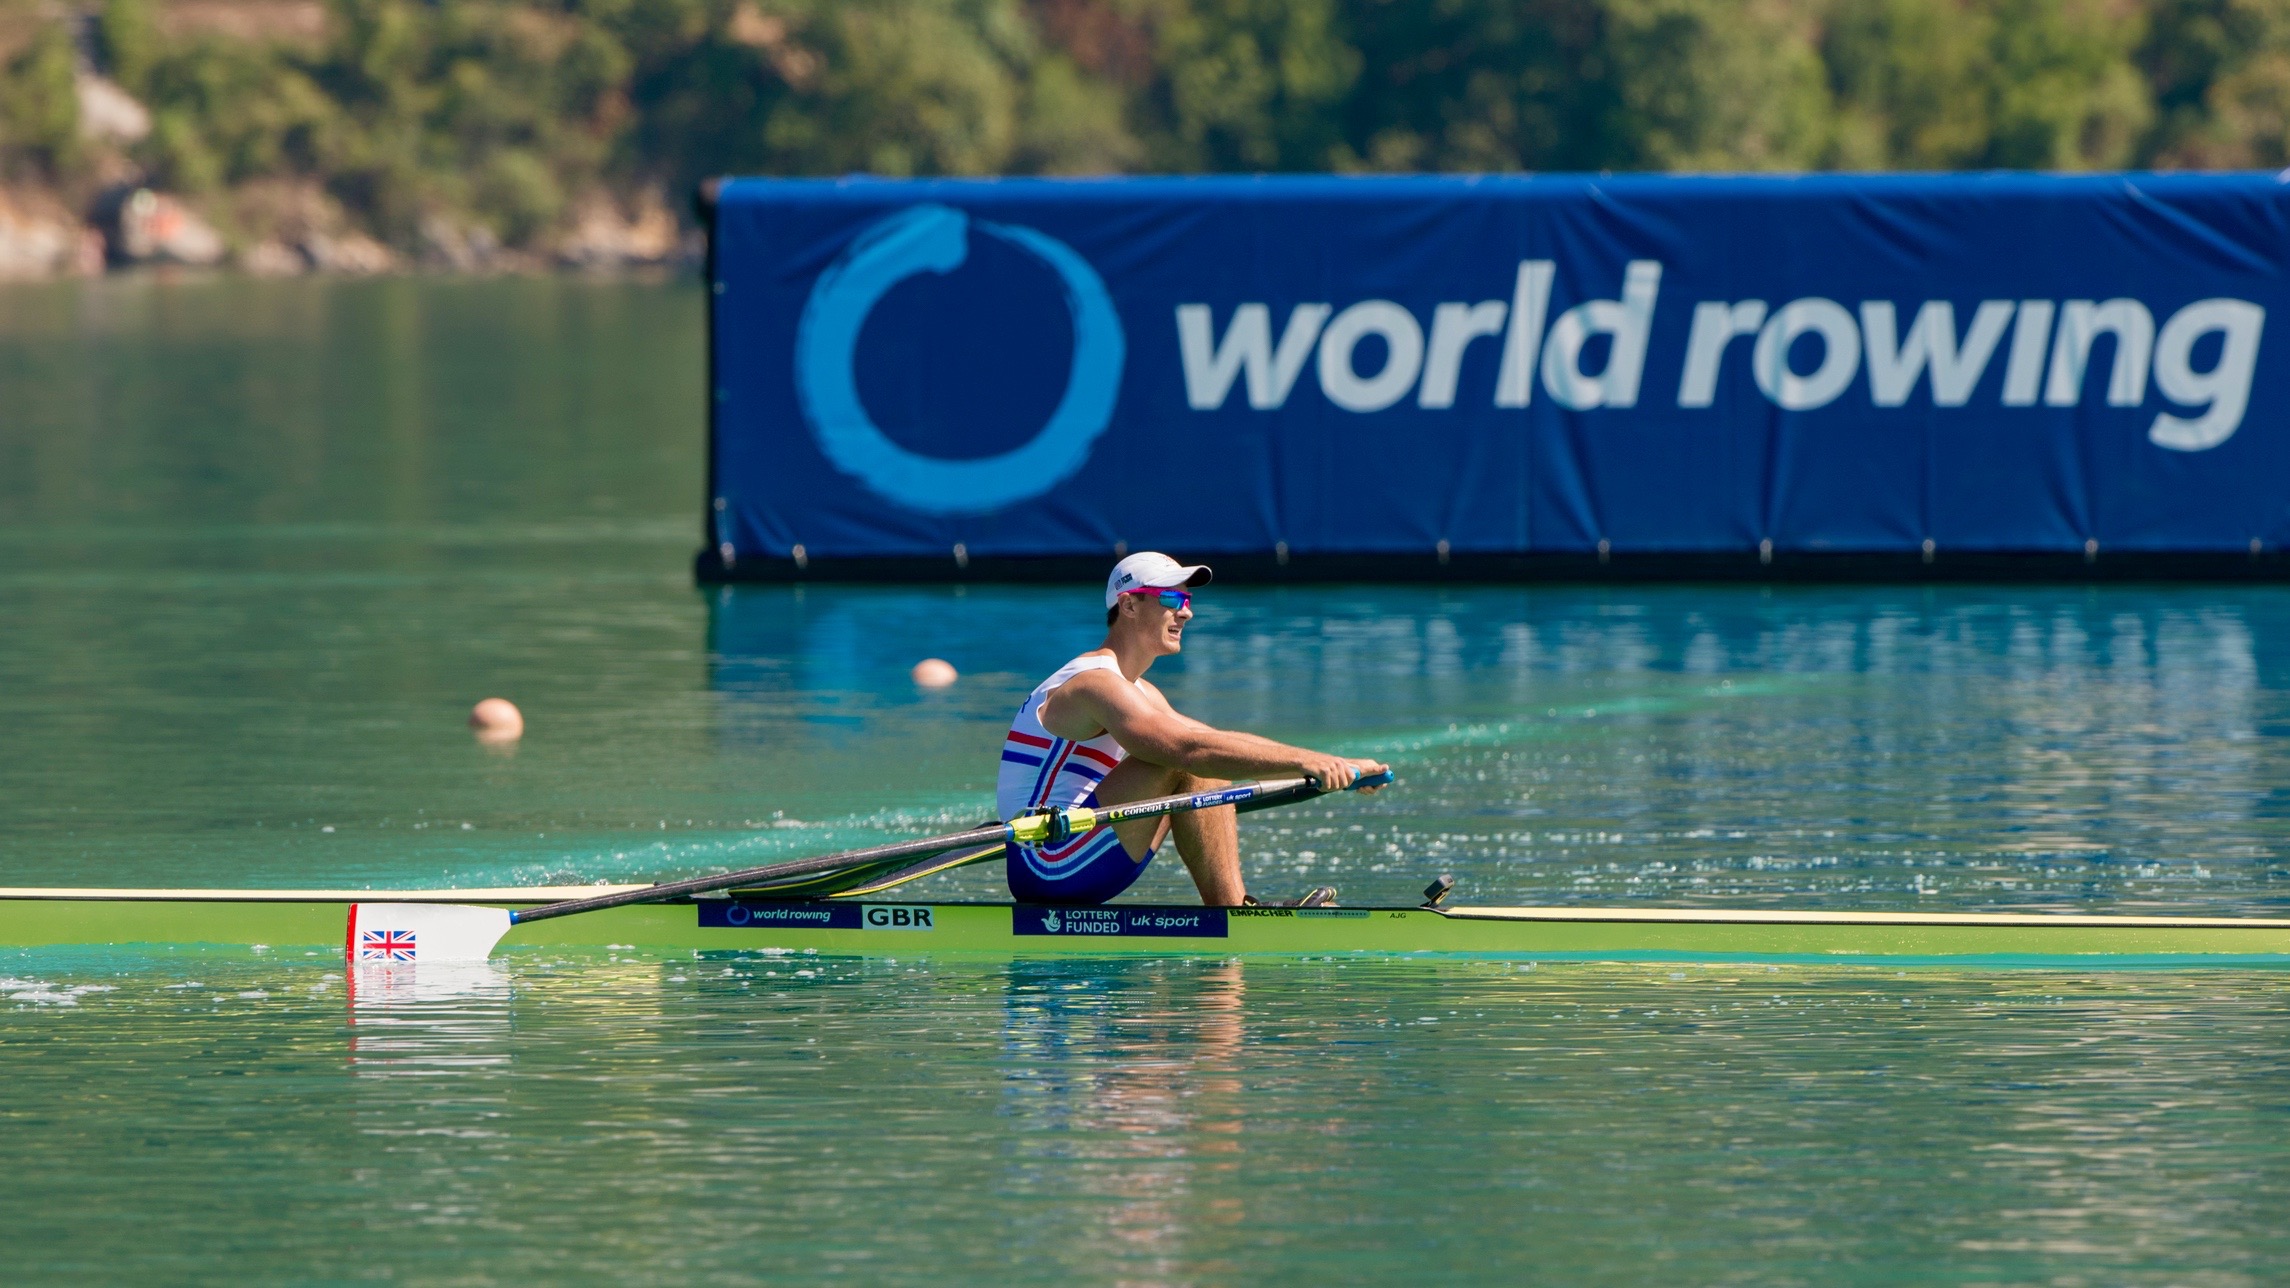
point(1208, 840)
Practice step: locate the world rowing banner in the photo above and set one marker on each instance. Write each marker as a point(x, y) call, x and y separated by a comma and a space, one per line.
point(951, 371)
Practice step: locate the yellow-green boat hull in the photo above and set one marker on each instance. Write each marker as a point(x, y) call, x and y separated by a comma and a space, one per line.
point(226, 919)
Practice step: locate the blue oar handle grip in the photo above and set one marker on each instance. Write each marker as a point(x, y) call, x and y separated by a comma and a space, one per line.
point(1381, 778)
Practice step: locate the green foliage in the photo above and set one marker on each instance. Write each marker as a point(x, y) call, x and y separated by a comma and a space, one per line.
point(1712, 85)
point(1244, 84)
point(128, 42)
point(896, 89)
point(2033, 84)
point(1564, 85)
point(491, 110)
point(1908, 78)
point(39, 108)
point(223, 112)
point(505, 113)
point(2063, 94)
point(2220, 70)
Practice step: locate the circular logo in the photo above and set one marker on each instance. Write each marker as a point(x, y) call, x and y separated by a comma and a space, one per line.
point(935, 239)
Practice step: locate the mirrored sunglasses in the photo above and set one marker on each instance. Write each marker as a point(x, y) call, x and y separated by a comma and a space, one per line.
point(1170, 598)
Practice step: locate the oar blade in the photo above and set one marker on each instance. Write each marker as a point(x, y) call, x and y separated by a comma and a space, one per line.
point(423, 932)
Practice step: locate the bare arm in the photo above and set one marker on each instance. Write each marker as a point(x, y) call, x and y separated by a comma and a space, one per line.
point(1148, 728)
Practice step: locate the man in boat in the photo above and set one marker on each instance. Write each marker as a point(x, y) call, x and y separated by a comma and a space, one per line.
point(1098, 733)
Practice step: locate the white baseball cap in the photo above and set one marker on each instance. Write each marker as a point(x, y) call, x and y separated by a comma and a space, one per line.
point(1154, 570)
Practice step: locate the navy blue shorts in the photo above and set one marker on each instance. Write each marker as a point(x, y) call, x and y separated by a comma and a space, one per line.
point(1084, 871)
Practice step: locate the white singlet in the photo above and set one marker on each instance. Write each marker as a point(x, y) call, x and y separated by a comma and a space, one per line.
point(1039, 768)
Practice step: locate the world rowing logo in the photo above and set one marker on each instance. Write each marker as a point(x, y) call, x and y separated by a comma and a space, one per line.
point(936, 239)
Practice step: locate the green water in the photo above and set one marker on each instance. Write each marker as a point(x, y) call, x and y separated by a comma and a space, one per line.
point(261, 545)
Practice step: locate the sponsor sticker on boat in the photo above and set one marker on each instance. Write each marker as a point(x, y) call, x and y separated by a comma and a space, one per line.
point(1127, 923)
point(772, 914)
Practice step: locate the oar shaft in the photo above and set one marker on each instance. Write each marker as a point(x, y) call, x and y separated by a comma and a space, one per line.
point(1030, 829)
point(792, 868)
point(1237, 794)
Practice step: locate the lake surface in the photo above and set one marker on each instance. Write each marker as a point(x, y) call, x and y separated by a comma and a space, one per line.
point(262, 544)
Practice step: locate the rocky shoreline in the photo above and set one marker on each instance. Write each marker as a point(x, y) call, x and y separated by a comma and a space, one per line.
point(368, 136)
point(101, 193)
point(132, 226)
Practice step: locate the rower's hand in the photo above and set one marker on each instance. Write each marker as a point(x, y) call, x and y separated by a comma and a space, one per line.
point(1335, 773)
point(1366, 768)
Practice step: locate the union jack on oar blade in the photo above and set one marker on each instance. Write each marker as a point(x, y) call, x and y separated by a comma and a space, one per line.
point(424, 932)
point(386, 946)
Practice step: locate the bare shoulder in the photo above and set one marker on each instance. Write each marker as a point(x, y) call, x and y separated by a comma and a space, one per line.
point(1078, 708)
point(1095, 682)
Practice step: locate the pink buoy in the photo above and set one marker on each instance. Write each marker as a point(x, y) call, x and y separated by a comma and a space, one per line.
point(497, 720)
point(934, 673)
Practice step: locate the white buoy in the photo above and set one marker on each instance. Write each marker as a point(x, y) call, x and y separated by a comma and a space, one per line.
point(934, 673)
point(497, 720)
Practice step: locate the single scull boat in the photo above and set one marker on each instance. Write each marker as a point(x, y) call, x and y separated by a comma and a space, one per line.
point(318, 919)
point(817, 905)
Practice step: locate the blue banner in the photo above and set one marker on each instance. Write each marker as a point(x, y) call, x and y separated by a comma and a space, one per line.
point(1517, 365)
point(1127, 921)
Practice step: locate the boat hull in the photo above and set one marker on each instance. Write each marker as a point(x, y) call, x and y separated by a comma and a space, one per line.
point(317, 919)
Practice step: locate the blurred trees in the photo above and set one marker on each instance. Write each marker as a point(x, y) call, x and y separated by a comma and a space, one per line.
point(2023, 84)
point(503, 114)
point(39, 108)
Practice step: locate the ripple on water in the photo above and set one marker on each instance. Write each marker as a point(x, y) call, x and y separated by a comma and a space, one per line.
point(1150, 1120)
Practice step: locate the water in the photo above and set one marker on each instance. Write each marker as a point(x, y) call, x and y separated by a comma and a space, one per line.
point(261, 544)
point(1186, 1122)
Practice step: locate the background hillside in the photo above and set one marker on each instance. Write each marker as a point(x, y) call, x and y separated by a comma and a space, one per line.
point(361, 134)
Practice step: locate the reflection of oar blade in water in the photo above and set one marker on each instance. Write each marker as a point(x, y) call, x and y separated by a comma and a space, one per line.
point(468, 932)
point(375, 986)
point(427, 1017)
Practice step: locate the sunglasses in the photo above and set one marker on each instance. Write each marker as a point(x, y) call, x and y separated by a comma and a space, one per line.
point(1177, 599)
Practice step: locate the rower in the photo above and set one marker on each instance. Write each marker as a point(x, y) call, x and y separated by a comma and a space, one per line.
point(1098, 733)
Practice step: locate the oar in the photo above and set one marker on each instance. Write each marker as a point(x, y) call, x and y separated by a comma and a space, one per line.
point(855, 883)
point(404, 932)
point(861, 882)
